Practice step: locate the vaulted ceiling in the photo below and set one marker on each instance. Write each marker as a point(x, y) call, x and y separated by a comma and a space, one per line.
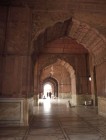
point(83, 21)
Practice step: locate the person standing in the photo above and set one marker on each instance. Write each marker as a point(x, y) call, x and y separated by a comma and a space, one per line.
point(50, 94)
point(47, 94)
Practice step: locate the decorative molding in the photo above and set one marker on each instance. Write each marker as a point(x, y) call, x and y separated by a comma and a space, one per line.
point(13, 116)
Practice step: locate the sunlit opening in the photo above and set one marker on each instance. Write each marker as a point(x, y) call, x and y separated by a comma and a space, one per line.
point(47, 89)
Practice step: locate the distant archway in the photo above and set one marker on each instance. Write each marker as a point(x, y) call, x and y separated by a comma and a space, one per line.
point(47, 87)
point(84, 34)
point(54, 86)
point(51, 80)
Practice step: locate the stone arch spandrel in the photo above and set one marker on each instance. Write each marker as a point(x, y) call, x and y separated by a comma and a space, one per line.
point(84, 34)
point(90, 38)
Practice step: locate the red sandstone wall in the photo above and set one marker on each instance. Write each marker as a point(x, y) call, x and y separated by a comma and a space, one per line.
point(17, 76)
point(14, 76)
point(16, 66)
point(1, 73)
point(101, 79)
point(3, 15)
point(82, 71)
point(18, 30)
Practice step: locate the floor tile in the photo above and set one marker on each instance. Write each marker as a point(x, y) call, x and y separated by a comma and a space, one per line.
point(82, 130)
point(46, 131)
point(43, 137)
point(87, 137)
point(59, 122)
point(11, 138)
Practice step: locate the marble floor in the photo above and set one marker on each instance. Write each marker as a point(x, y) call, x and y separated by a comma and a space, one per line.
point(55, 120)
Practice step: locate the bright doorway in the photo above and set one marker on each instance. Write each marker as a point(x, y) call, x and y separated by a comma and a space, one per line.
point(48, 88)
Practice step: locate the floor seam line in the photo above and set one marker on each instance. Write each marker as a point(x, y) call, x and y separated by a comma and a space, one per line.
point(64, 133)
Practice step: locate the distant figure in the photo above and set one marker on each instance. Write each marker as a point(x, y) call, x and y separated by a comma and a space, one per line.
point(69, 103)
point(50, 94)
point(47, 94)
point(44, 97)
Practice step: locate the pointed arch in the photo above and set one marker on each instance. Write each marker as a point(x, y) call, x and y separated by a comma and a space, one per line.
point(83, 33)
point(71, 71)
point(53, 81)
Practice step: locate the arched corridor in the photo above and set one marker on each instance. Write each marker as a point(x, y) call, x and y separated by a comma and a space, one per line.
point(60, 44)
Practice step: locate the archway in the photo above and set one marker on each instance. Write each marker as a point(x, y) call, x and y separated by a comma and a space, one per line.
point(47, 89)
point(64, 86)
point(90, 38)
point(52, 86)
